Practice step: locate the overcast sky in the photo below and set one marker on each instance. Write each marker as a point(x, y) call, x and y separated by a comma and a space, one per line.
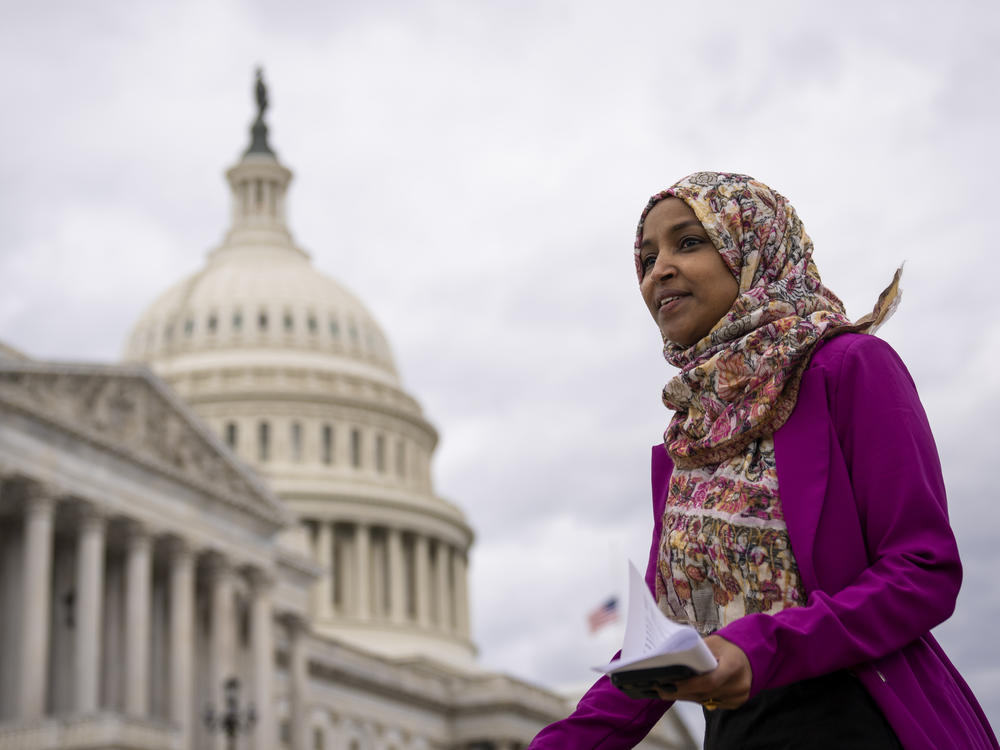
point(474, 171)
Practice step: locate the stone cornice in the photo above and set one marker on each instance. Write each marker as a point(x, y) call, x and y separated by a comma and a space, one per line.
point(128, 411)
point(354, 508)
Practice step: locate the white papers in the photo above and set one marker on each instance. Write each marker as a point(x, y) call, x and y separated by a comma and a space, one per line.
point(652, 640)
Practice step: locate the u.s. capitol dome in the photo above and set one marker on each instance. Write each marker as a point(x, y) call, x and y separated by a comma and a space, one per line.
point(297, 377)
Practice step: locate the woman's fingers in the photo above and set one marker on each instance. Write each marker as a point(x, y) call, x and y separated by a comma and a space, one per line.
point(728, 685)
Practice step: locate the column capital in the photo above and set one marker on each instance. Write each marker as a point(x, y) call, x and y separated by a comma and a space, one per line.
point(137, 533)
point(217, 565)
point(296, 623)
point(177, 547)
point(261, 581)
point(39, 499)
point(91, 514)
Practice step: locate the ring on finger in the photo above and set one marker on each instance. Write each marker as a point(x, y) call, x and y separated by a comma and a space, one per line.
point(710, 704)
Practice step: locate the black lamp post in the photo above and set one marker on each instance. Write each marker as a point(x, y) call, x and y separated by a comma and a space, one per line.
point(233, 721)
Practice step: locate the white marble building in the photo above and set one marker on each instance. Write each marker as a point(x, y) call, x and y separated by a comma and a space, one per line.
point(260, 508)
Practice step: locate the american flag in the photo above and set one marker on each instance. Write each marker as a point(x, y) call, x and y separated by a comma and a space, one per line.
point(603, 615)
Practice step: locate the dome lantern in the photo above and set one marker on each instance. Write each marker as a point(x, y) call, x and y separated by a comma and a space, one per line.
point(259, 184)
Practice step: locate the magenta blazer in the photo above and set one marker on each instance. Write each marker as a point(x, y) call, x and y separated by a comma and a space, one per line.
point(864, 501)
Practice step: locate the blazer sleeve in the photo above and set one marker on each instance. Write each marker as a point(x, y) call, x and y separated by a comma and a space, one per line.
point(910, 580)
point(605, 717)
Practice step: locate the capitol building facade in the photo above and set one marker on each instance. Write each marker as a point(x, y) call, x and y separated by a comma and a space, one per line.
point(232, 539)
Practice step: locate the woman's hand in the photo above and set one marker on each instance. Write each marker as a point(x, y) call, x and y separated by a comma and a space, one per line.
point(728, 685)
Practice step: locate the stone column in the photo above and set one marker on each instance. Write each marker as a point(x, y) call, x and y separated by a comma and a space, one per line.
point(223, 629)
point(181, 638)
point(422, 556)
point(262, 635)
point(323, 591)
point(267, 206)
point(397, 577)
point(461, 584)
point(36, 596)
point(299, 674)
point(138, 582)
point(362, 551)
point(89, 609)
point(444, 595)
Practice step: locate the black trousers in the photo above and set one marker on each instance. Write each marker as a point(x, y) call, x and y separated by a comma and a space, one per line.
point(831, 712)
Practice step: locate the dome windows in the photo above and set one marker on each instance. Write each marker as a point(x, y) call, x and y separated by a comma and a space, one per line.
point(326, 446)
point(298, 320)
point(356, 448)
point(232, 435)
point(380, 453)
point(264, 441)
point(296, 441)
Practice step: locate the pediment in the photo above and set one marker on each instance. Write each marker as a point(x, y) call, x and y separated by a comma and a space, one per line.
point(129, 411)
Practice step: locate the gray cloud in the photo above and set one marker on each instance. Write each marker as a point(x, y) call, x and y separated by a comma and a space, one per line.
point(474, 174)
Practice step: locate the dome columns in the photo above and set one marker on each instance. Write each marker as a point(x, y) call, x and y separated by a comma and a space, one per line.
point(389, 575)
point(258, 184)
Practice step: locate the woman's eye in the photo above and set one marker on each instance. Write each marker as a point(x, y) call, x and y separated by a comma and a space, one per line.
point(648, 262)
point(689, 242)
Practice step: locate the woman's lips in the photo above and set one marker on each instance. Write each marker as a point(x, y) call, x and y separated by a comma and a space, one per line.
point(671, 303)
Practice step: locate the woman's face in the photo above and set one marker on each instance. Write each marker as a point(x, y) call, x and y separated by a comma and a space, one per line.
point(686, 285)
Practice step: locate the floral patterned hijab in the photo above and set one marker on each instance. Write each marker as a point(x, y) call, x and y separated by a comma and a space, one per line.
point(741, 381)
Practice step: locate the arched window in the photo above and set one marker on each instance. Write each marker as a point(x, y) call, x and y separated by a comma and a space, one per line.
point(327, 444)
point(355, 447)
point(400, 457)
point(380, 453)
point(262, 320)
point(289, 322)
point(232, 434)
point(237, 320)
point(264, 441)
point(296, 437)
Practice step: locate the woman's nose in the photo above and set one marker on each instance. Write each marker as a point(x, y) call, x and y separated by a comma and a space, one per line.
point(663, 267)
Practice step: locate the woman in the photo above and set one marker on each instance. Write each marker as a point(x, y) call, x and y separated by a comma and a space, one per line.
point(800, 518)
